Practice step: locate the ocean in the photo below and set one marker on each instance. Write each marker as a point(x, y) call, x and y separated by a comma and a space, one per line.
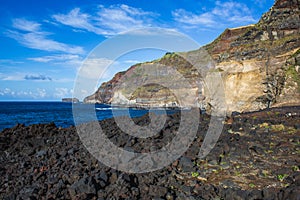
point(12, 113)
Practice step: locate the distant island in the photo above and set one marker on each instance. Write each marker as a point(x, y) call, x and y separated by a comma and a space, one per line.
point(70, 100)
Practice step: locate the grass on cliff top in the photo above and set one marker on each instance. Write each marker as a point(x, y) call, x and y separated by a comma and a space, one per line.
point(250, 42)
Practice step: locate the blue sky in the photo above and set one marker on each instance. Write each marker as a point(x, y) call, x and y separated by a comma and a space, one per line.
point(43, 43)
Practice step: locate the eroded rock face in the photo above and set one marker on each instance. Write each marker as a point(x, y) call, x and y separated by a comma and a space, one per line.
point(105, 91)
point(259, 65)
point(259, 62)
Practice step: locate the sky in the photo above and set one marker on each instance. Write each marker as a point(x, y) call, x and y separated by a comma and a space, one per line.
point(43, 44)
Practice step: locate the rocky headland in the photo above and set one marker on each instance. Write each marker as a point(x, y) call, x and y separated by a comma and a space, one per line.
point(259, 66)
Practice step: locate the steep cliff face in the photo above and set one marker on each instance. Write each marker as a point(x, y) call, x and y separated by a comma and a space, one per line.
point(259, 66)
point(163, 82)
point(105, 91)
point(256, 59)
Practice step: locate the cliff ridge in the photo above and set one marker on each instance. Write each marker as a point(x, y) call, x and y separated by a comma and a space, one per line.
point(259, 66)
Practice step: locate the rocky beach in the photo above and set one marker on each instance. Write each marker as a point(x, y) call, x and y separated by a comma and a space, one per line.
point(256, 157)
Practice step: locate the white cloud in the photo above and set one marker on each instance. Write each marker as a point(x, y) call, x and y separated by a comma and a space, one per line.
point(122, 18)
point(14, 77)
point(95, 68)
point(22, 77)
point(26, 25)
point(66, 59)
point(233, 12)
point(132, 62)
point(78, 20)
point(108, 20)
point(18, 76)
point(62, 92)
point(60, 57)
point(41, 93)
point(64, 80)
point(30, 94)
point(261, 3)
point(34, 77)
point(29, 34)
point(134, 11)
point(186, 17)
point(10, 62)
point(154, 31)
point(25, 77)
point(6, 91)
point(223, 14)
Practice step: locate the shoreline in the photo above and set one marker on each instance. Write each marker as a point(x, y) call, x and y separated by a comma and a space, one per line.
point(256, 157)
point(149, 108)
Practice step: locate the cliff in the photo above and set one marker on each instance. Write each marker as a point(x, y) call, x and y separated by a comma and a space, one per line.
point(105, 91)
point(259, 66)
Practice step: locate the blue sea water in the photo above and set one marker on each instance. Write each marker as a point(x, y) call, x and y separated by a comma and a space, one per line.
point(12, 113)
